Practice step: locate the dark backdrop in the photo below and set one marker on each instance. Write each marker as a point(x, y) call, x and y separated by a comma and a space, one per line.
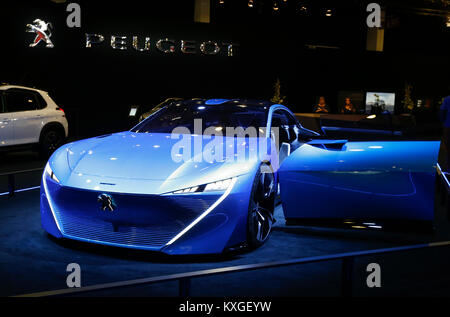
point(97, 86)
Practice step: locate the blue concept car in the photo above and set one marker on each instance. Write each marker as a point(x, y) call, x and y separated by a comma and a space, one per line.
point(201, 176)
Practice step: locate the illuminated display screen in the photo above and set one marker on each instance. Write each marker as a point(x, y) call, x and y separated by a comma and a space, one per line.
point(380, 102)
point(133, 111)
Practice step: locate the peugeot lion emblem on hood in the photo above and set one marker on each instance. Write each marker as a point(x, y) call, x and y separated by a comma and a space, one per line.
point(107, 202)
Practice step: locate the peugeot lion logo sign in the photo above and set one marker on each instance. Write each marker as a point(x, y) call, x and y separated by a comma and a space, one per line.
point(107, 202)
point(43, 32)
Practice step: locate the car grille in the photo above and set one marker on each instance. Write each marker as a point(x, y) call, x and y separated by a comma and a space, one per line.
point(140, 221)
point(103, 231)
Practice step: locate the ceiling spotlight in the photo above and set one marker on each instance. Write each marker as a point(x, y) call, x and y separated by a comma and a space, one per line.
point(221, 1)
point(275, 6)
point(303, 9)
point(250, 3)
point(328, 13)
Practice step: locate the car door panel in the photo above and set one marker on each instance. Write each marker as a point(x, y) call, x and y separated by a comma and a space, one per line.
point(27, 125)
point(360, 180)
point(23, 108)
point(6, 125)
point(6, 130)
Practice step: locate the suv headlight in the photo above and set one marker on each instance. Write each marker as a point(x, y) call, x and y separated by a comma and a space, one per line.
point(50, 173)
point(216, 186)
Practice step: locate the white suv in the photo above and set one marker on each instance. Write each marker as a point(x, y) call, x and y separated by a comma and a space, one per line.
point(29, 116)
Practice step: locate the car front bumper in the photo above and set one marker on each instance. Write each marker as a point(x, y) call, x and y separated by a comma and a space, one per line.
point(195, 223)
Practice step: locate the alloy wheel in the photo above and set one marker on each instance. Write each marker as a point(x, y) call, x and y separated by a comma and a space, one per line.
point(261, 207)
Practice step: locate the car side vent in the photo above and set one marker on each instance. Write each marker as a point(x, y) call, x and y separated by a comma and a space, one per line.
point(334, 146)
point(331, 145)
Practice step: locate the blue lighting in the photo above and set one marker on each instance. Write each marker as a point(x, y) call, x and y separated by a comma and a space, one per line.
point(216, 101)
point(148, 206)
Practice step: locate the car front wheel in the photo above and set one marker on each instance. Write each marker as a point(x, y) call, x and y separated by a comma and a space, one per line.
point(261, 207)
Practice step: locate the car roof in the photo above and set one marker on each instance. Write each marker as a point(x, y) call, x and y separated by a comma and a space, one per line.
point(265, 105)
point(8, 86)
point(221, 101)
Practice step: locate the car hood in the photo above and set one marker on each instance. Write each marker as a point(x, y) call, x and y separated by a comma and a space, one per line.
point(146, 156)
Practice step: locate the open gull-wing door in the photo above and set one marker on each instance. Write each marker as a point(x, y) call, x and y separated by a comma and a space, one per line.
point(359, 180)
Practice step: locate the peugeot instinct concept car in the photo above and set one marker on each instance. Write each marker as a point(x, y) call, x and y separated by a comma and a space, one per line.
point(201, 176)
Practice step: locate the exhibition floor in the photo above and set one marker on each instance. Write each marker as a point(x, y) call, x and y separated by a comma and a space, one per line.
point(30, 261)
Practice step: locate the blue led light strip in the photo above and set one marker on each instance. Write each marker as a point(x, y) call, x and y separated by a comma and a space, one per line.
point(21, 190)
point(204, 214)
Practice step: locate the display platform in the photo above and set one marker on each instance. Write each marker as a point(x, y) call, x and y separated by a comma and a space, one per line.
point(34, 262)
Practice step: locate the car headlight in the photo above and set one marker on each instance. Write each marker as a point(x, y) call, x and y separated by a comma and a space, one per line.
point(216, 186)
point(220, 185)
point(50, 173)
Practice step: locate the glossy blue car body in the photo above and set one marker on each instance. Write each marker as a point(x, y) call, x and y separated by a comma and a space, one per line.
point(392, 180)
point(319, 179)
point(147, 216)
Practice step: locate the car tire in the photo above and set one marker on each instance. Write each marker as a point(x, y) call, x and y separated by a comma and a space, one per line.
point(51, 139)
point(261, 207)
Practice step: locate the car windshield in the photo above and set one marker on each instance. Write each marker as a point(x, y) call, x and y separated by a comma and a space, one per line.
point(231, 114)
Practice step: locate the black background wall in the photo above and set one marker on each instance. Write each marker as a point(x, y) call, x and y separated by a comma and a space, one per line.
point(96, 86)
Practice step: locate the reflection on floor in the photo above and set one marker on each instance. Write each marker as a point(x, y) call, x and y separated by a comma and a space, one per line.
point(30, 261)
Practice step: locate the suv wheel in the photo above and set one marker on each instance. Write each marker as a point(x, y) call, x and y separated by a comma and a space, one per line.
point(50, 141)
